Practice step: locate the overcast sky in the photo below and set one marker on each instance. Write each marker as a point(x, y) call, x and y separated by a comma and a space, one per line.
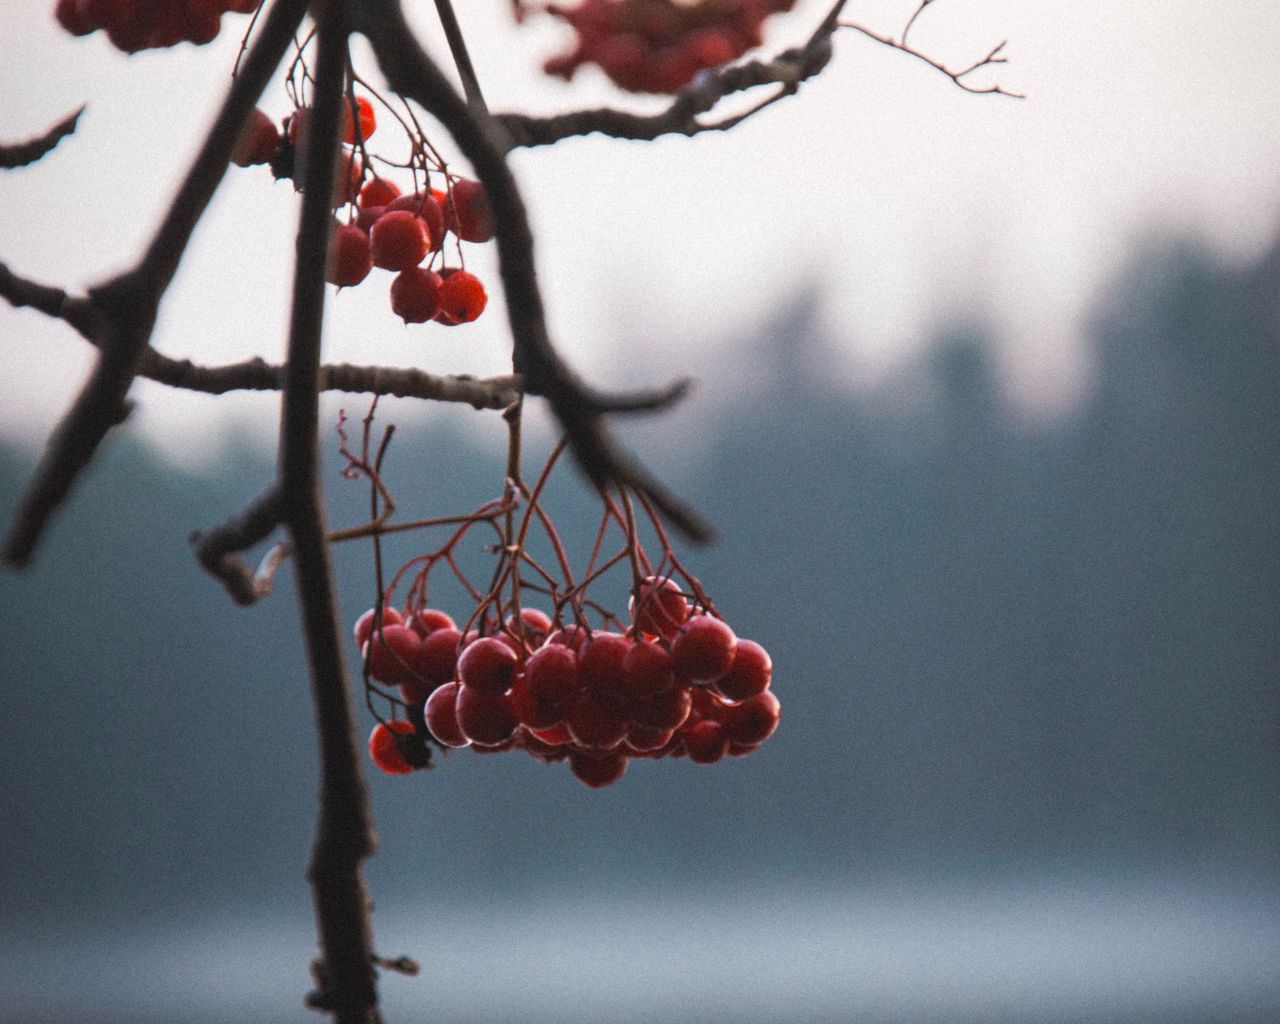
point(910, 202)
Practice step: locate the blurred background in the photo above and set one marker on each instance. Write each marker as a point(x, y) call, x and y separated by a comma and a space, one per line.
point(987, 425)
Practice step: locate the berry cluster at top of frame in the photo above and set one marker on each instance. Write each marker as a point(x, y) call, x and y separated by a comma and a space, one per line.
point(658, 46)
point(134, 25)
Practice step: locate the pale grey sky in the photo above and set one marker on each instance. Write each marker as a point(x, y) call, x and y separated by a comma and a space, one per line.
point(913, 202)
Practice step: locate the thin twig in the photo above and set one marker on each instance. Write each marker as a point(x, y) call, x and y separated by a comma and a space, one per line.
point(992, 58)
point(22, 154)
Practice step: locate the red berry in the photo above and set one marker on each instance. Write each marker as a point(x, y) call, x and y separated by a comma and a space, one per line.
point(258, 140)
point(552, 672)
point(378, 192)
point(384, 746)
point(415, 294)
point(703, 649)
point(495, 748)
point(368, 120)
point(399, 240)
point(438, 656)
point(534, 711)
point(393, 653)
point(367, 217)
point(414, 692)
point(531, 628)
point(488, 666)
point(349, 258)
point(710, 47)
point(74, 17)
point(364, 624)
point(645, 739)
point(462, 296)
point(441, 715)
point(749, 675)
point(545, 752)
point(556, 736)
point(670, 68)
point(600, 664)
point(424, 206)
point(202, 21)
point(485, 718)
point(753, 721)
point(592, 724)
point(623, 57)
point(668, 710)
point(659, 607)
point(597, 771)
point(572, 636)
point(467, 211)
point(647, 670)
point(428, 620)
point(705, 741)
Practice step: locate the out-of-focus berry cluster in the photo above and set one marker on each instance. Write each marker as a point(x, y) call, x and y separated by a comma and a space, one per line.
point(659, 45)
point(134, 25)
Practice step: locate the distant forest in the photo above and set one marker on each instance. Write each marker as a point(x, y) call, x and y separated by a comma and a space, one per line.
point(999, 650)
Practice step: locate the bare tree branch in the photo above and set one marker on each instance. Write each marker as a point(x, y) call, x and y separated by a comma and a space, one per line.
point(411, 73)
point(258, 375)
point(344, 832)
point(21, 154)
point(124, 308)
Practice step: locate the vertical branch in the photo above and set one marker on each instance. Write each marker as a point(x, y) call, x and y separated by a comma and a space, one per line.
point(345, 834)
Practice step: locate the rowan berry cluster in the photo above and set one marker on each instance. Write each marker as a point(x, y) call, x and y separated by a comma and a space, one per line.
point(659, 45)
point(384, 227)
point(133, 25)
point(678, 683)
point(667, 677)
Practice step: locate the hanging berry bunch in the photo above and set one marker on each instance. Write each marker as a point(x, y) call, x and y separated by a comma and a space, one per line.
point(133, 25)
point(538, 661)
point(659, 45)
point(379, 224)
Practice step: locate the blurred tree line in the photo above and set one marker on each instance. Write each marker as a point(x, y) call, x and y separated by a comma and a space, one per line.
point(1000, 649)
